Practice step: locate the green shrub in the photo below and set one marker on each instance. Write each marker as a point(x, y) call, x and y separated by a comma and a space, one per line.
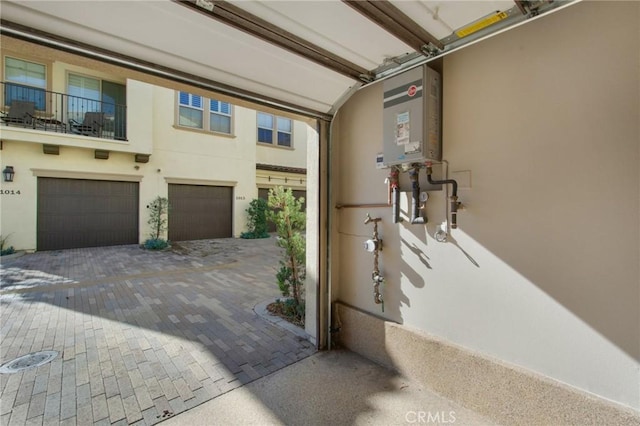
point(294, 310)
point(257, 223)
point(8, 250)
point(156, 244)
point(282, 277)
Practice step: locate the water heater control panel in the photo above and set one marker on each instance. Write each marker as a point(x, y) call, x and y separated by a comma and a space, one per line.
point(412, 117)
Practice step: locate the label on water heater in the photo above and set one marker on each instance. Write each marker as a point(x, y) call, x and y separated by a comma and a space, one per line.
point(403, 128)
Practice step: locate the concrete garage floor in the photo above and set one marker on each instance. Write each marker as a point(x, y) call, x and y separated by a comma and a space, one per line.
point(330, 388)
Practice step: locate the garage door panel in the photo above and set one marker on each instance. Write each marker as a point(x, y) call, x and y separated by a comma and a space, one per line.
point(200, 212)
point(74, 213)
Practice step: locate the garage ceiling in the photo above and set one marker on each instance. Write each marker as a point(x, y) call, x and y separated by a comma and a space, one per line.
point(305, 56)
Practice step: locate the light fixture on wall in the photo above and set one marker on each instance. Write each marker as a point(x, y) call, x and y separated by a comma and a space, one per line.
point(8, 174)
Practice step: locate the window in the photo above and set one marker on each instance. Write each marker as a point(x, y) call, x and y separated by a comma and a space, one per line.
point(219, 116)
point(197, 112)
point(84, 96)
point(25, 81)
point(89, 94)
point(190, 110)
point(269, 125)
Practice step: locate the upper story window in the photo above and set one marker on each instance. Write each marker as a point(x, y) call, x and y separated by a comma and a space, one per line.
point(274, 130)
point(90, 94)
point(197, 112)
point(25, 81)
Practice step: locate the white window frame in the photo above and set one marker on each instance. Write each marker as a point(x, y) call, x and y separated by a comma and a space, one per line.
point(275, 130)
point(220, 113)
point(191, 105)
point(207, 111)
point(7, 80)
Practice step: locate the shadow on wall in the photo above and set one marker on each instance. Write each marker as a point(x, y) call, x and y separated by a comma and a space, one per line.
point(543, 271)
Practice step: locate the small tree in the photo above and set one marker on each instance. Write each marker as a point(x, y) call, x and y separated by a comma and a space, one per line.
point(287, 213)
point(158, 211)
point(257, 224)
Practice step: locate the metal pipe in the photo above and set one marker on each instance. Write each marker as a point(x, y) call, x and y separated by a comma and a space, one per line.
point(359, 206)
point(376, 248)
point(388, 182)
point(377, 296)
point(394, 186)
point(416, 218)
point(395, 205)
point(454, 194)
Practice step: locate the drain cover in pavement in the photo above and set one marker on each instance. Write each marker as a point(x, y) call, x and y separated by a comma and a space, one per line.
point(28, 361)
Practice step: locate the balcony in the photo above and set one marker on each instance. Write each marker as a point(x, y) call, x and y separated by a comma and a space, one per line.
point(39, 109)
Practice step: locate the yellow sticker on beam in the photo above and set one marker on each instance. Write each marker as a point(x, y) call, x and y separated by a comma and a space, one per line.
point(483, 23)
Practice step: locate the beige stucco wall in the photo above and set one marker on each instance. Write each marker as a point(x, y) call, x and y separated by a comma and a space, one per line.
point(543, 271)
point(304, 135)
point(19, 211)
point(177, 155)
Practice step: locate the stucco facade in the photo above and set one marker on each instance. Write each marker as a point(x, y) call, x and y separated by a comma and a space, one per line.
point(176, 155)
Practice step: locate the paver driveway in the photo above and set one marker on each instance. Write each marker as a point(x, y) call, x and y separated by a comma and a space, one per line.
point(141, 335)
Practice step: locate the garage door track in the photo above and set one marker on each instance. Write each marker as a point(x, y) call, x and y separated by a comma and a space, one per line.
point(140, 335)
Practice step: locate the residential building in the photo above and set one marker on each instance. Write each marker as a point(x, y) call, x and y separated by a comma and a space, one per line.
point(98, 145)
point(528, 311)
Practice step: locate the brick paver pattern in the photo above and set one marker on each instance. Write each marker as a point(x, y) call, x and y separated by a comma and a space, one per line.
point(141, 335)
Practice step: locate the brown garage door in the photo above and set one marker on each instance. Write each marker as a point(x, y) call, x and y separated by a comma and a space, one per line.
point(199, 212)
point(75, 213)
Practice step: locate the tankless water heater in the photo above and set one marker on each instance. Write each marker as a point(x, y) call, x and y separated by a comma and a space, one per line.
point(412, 124)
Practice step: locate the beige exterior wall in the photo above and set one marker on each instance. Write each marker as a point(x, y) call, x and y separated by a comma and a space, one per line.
point(19, 211)
point(296, 156)
point(187, 156)
point(543, 271)
point(177, 155)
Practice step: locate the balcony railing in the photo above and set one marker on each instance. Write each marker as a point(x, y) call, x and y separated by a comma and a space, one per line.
point(40, 109)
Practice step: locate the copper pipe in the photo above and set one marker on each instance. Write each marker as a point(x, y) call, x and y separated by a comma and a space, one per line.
point(359, 206)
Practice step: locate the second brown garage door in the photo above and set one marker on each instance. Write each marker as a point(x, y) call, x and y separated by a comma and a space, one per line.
point(199, 212)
